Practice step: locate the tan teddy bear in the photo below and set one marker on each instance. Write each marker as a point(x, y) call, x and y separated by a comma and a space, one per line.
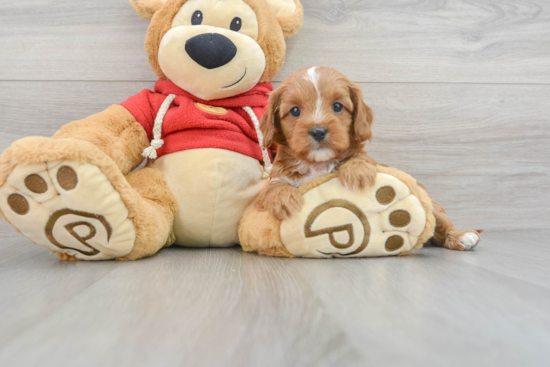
point(76, 193)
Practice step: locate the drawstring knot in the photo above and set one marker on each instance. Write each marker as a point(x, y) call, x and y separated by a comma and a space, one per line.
point(157, 143)
point(151, 151)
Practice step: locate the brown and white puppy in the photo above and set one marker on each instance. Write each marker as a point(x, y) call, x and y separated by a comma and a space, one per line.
point(320, 124)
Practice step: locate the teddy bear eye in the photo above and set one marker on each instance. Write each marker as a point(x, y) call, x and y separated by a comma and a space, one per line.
point(295, 112)
point(197, 18)
point(236, 24)
point(337, 107)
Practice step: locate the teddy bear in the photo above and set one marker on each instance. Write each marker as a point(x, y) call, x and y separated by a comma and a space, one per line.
point(79, 193)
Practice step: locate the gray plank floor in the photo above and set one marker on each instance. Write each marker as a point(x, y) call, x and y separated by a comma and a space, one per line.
point(461, 94)
point(210, 307)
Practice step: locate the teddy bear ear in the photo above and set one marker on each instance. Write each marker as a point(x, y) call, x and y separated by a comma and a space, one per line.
point(290, 15)
point(147, 8)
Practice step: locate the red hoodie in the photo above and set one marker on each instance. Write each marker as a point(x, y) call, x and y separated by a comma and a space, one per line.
point(191, 123)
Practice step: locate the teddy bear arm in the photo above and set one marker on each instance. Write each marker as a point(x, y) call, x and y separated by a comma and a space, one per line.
point(115, 131)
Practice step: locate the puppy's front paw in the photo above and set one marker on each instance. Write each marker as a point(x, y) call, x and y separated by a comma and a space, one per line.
point(281, 200)
point(357, 174)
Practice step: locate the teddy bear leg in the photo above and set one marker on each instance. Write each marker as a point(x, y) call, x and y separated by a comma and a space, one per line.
point(392, 217)
point(448, 236)
point(265, 238)
point(69, 196)
point(156, 213)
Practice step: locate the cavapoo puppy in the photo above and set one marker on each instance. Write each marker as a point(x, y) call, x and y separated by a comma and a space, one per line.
point(320, 124)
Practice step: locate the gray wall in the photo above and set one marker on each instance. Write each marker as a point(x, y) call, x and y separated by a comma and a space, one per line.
point(461, 89)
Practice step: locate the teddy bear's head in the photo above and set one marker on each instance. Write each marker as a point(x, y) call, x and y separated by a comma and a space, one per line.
point(216, 49)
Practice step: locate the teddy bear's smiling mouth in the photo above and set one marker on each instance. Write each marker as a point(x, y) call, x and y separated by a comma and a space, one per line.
point(237, 82)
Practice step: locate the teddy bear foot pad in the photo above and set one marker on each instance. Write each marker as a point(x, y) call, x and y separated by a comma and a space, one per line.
point(69, 208)
point(392, 217)
point(335, 222)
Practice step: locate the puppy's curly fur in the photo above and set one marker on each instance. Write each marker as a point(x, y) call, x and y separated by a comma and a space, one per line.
point(308, 100)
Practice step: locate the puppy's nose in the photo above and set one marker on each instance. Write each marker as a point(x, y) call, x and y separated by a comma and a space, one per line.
point(211, 50)
point(318, 133)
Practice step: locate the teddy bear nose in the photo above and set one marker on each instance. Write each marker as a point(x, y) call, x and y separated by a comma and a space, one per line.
point(318, 133)
point(211, 50)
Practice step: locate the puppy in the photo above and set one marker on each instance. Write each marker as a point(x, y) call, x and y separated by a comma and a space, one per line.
point(320, 124)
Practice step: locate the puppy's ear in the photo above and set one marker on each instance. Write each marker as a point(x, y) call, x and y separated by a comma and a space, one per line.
point(270, 123)
point(147, 8)
point(290, 15)
point(363, 117)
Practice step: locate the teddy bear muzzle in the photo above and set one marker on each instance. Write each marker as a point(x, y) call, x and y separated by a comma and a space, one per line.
point(211, 62)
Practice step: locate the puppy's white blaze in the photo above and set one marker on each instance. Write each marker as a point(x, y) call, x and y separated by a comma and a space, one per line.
point(318, 116)
point(313, 77)
point(321, 155)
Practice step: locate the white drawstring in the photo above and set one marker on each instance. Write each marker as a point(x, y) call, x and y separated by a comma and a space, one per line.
point(157, 142)
point(267, 162)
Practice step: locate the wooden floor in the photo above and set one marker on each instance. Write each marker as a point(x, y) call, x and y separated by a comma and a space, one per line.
point(461, 92)
point(188, 307)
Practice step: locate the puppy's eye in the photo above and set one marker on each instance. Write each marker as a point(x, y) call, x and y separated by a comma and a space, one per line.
point(236, 24)
point(197, 18)
point(295, 112)
point(337, 107)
